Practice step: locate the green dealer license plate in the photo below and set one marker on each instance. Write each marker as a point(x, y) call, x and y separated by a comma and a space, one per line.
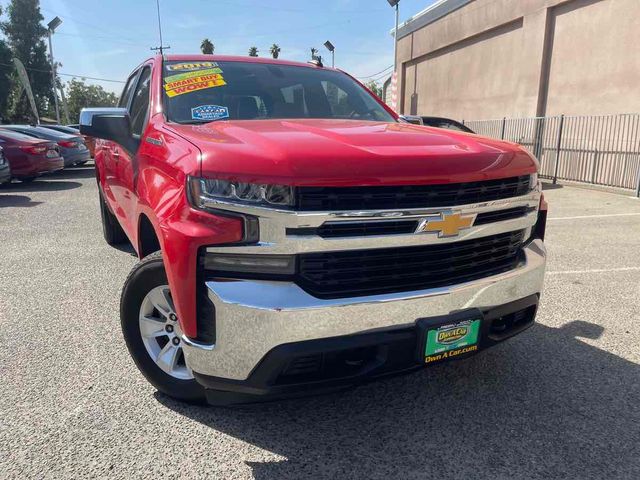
point(459, 336)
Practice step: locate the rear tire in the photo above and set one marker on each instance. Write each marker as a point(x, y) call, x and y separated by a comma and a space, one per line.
point(27, 179)
point(111, 229)
point(152, 333)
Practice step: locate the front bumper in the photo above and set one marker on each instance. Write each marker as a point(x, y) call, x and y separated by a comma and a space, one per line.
point(331, 364)
point(72, 157)
point(253, 317)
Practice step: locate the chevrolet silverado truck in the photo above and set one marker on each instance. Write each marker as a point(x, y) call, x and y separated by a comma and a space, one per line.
point(296, 236)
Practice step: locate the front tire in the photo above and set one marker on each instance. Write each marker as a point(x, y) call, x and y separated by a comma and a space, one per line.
point(26, 179)
point(152, 332)
point(111, 229)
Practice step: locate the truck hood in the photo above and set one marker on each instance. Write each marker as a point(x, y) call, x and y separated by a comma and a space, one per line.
point(349, 152)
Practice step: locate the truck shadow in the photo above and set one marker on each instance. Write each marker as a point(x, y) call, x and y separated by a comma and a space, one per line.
point(543, 405)
point(82, 171)
point(16, 201)
point(42, 184)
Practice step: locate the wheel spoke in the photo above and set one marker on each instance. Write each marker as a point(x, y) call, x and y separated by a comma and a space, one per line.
point(152, 327)
point(168, 357)
point(159, 298)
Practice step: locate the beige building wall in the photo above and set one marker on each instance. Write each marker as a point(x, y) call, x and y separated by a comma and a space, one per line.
point(521, 58)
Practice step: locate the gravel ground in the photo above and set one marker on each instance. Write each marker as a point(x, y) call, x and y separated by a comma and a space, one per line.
point(560, 401)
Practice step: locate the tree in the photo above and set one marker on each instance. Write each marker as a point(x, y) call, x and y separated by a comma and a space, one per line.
point(253, 52)
point(5, 76)
point(375, 88)
point(25, 35)
point(207, 47)
point(314, 53)
point(81, 95)
point(275, 50)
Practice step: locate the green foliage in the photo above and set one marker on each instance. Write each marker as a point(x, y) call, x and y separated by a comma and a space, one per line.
point(275, 50)
point(375, 88)
point(207, 47)
point(253, 52)
point(25, 37)
point(81, 95)
point(6, 72)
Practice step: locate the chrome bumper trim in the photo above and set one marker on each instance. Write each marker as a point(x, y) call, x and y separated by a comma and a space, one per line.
point(252, 316)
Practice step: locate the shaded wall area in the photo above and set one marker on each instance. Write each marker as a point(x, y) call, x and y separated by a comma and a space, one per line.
point(497, 58)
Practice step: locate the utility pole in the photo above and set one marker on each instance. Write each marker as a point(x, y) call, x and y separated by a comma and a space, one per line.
point(395, 39)
point(53, 24)
point(394, 77)
point(161, 48)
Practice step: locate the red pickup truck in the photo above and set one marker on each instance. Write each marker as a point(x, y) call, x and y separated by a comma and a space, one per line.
point(297, 236)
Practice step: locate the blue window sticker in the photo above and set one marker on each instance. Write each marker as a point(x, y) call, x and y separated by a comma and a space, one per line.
point(209, 112)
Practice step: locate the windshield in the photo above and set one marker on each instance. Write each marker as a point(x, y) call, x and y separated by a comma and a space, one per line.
point(199, 92)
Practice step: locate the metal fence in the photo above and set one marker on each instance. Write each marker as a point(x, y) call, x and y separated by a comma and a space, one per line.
point(600, 150)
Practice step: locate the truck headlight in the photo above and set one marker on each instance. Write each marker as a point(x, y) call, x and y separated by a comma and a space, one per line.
point(201, 189)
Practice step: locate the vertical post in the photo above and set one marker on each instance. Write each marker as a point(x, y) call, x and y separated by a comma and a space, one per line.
point(333, 58)
point(504, 124)
point(638, 187)
point(53, 78)
point(594, 167)
point(558, 147)
point(395, 40)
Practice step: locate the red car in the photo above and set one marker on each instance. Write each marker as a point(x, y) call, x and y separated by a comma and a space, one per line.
point(29, 157)
point(296, 237)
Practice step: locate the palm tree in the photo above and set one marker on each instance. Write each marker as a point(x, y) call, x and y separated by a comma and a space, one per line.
point(207, 47)
point(275, 50)
point(253, 52)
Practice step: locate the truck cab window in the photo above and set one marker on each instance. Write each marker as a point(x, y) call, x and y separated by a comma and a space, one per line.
point(140, 104)
point(126, 93)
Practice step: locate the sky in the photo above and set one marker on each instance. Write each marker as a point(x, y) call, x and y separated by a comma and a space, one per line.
point(107, 39)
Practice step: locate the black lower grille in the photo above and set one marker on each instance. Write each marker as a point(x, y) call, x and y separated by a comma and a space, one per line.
point(388, 270)
point(409, 196)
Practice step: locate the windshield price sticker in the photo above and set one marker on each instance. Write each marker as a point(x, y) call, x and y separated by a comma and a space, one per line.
point(191, 67)
point(186, 75)
point(189, 85)
point(209, 112)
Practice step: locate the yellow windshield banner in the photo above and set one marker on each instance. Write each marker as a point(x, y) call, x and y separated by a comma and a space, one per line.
point(191, 66)
point(193, 84)
point(187, 75)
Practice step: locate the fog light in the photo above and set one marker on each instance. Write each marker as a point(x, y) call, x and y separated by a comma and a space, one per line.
point(241, 263)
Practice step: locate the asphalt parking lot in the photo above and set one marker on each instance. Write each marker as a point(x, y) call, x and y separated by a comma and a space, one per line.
point(560, 401)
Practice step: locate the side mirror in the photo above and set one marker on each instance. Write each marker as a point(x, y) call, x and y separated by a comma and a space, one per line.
point(416, 120)
point(108, 124)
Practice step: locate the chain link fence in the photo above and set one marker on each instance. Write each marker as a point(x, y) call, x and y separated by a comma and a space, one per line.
point(600, 150)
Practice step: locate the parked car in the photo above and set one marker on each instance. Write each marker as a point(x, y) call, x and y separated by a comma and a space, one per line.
point(30, 157)
point(295, 237)
point(5, 169)
point(72, 147)
point(71, 130)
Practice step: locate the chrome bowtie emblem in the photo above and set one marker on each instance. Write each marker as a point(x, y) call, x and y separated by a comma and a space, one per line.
point(447, 224)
